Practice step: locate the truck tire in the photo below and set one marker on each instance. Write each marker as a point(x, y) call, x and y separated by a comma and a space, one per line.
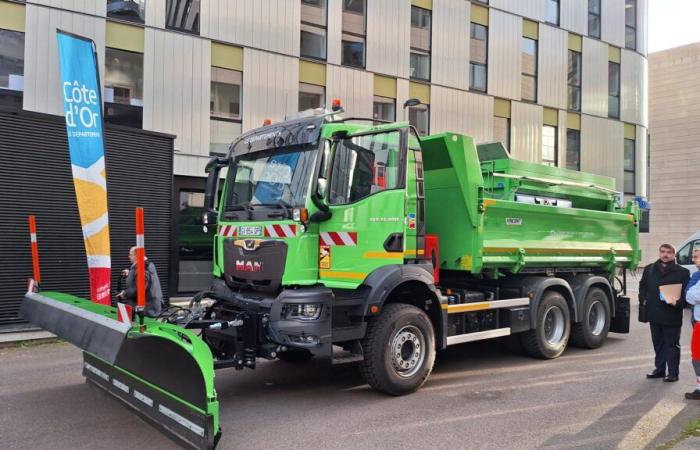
point(399, 350)
point(552, 327)
point(595, 321)
point(295, 356)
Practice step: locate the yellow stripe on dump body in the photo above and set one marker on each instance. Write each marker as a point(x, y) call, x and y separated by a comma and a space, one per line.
point(339, 274)
point(384, 255)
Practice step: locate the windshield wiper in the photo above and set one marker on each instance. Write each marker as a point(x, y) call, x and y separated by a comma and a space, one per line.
point(245, 206)
point(281, 203)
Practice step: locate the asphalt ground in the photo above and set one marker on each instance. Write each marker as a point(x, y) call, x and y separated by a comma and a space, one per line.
point(479, 396)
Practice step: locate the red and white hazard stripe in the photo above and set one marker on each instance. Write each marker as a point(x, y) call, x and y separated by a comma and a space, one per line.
point(228, 231)
point(124, 313)
point(280, 231)
point(339, 238)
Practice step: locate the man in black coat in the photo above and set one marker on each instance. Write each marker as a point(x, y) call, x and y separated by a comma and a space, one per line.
point(664, 319)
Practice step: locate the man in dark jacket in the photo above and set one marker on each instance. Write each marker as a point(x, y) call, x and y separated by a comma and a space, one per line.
point(154, 294)
point(664, 319)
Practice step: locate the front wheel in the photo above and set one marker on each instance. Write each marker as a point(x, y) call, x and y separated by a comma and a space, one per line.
point(399, 350)
point(552, 328)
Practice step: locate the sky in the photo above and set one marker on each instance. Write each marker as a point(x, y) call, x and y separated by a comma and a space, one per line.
point(673, 23)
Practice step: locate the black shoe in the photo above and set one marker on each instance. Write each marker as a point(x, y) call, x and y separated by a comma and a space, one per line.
point(695, 395)
point(671, 378)
point(656, 374)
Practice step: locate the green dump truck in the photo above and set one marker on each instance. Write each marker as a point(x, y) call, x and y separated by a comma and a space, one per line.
point(358, 241)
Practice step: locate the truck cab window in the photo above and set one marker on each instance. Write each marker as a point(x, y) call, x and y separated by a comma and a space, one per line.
point(364, 165)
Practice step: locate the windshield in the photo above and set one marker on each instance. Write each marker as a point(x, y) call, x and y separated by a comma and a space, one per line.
point(270, 178)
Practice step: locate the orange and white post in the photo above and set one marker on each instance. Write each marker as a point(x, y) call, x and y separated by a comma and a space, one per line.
point(140, 266)
point(35, 249)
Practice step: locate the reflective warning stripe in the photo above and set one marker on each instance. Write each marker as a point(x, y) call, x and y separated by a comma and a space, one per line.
point(119, 385)
point(281, 231)
point(339, 238)
point(228, 231)
point(193, 427)
point(143, 398)
point(124, 313)
point(96, 371)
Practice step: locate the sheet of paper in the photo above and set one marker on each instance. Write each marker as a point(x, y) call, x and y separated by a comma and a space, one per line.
point(671, 293)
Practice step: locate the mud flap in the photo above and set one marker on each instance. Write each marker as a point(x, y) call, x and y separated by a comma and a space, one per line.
point(621, 322)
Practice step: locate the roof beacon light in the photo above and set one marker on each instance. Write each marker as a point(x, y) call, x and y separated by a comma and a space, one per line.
point(267, 122)
point(336, 104)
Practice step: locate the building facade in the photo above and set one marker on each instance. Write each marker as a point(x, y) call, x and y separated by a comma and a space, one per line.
point(562, 82)
point(674, 127)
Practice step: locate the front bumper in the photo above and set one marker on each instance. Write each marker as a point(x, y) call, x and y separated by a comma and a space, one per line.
point(267, 315)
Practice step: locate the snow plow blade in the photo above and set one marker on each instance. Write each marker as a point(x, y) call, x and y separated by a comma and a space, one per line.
point(165, 373)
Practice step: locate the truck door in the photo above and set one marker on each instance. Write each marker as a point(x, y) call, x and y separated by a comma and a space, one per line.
point(367, 202)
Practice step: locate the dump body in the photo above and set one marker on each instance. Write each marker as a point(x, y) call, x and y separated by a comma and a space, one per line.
point(495, 213)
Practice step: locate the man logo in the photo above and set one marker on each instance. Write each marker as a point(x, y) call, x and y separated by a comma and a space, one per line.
point(248, 266)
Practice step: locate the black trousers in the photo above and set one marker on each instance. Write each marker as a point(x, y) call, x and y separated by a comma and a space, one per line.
point(667, 348)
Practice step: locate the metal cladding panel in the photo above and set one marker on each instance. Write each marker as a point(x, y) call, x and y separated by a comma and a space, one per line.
point(612, 18)
point(176, 88)
point(642, 150)
point(634, 104)
point(190, 165)
point(449, 56)
point(526, 132)
point(46, 190)
point(461, 112)
point(42, 85)
point(402, 94)
point(355, 88)
point(574, 16)
point(335, 29)
point(270, 87)
point(553, 62)
point(642, 26)
point(155, 13)
point(265, 24)
point(97, 8)
point(532, 9)
point(389, 41)
point(594, 85)
point(504, 54)
point(602, 142)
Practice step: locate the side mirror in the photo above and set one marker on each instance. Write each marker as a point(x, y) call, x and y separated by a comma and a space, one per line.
point(322, 188)
point(213, 170)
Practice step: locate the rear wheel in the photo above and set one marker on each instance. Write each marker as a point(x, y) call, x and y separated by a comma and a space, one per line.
point(399, 350)
point(552, 327)
point(595, 321)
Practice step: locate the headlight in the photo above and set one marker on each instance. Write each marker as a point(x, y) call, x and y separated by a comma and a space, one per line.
point(303, 311)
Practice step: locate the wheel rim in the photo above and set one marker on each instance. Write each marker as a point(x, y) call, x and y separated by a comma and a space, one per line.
point(554, 325)
point(407, 351)
point(596, 318)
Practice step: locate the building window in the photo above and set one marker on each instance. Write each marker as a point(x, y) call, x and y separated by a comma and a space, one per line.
point(130, 10)
point(420, 43)
point(630, 161)
point(501, 131)
point(574, 80)
point(478, 51)
point(631, 24)
point(194, 249)
point(224, 108)
point(552, 13)
point(311, 96)
point(123, 96)
point(354, 33)
point(314, 19)
point(613, 90)
point(549, 146)
point(384, 108)
point(594, 18)
point(573, 149)
point(182, 15)
point(529, 74)
point(419, 117)
point(11, 68)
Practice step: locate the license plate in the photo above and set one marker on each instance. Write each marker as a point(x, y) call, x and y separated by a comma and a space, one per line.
point(249, 231)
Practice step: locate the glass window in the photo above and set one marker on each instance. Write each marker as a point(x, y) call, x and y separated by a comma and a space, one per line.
point(356, 6)
point(364, 165)
point(311, 96)
point(182, 15)
point(529, 67)
point(477, 77)
point(420, 66)
point(123, 92)
point(419, 117)
point(314, 17)
point(631, 24)
point(384, 108)
point(354, 30)
point(629, 165)
point(573, 149)
point(685, 254)
point(420, 43)
point(195, 249)
point(552, 13)
point(501, 131)
point(574, 80)
point(353, 50)
point(226, 93)
point(11, 68)
point(594, 18)
point(549, 145)
point(131, 10)
point(613, 90)
point(478, 52)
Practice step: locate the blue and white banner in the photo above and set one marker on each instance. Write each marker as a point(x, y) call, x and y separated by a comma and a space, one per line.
point(82, 100)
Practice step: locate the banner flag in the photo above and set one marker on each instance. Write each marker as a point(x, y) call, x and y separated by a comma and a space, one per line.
point(82, 100)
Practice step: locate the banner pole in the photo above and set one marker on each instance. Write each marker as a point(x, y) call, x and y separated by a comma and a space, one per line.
point(35, 249)
point(140, 267)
